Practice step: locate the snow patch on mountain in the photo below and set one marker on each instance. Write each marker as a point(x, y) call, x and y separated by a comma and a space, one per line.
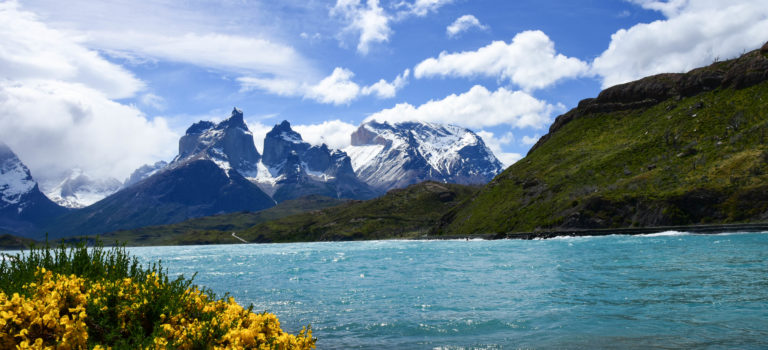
point(362, 155)
point(396, 155)
point(15, 178)
point(79, 190)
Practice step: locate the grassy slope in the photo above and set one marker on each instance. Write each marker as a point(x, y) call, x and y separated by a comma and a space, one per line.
point(409, 212)
point(699, 159)
point(217, 228)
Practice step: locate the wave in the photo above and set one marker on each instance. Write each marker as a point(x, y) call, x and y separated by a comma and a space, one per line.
point(666, 234)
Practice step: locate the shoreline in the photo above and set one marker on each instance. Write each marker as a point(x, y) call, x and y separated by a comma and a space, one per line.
point(631, 231)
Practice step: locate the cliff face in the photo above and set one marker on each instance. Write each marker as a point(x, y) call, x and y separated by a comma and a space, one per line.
point(745, 71)
point(670, 149)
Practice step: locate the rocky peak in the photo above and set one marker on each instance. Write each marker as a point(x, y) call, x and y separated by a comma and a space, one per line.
point(228, 143)
point(281, 142)
point(235, 121)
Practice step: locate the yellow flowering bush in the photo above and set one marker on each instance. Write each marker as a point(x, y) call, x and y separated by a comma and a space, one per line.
point(137, 309)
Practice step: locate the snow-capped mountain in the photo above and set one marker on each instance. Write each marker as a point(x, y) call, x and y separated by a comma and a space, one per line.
point(144, 172)
point(79, 190)
point(229, 144)
point(393, 156)
point(292, 168)
point(22, 206)
point(205, 178)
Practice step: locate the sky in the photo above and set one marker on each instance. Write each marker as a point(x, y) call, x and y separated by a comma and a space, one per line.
point(107, 86)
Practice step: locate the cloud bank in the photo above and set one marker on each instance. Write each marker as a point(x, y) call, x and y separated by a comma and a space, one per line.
point(694, 34)
point(476, 108)
point(58, 108)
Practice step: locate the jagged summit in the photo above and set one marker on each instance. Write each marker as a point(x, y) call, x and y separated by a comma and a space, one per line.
point(396, 155)
point(235, 120)
point(229, 144)
point(280, 142)
point(292, 168)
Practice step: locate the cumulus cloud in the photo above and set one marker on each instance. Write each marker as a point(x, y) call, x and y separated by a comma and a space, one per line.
point(463, 24)
point(337, 88)
point(369, 21)
point(371, 24)
point(530, 140)
point(529, 61)
point(496, 143)
point(259, 131)
point(334, 133)
point(694, 33)
point(57, 104)
point(476, 108)
point(385, 89)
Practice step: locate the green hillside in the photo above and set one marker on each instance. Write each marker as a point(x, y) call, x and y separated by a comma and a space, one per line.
point(671, 149)
point(215, 229)
point(403, 213)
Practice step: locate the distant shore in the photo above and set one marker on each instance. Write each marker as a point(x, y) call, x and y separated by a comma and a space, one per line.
point(698, 229)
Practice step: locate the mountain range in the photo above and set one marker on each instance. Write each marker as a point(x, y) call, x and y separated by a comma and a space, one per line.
point(219, 170)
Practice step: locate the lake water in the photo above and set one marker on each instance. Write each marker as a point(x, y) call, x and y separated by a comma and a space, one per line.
point(668, 290)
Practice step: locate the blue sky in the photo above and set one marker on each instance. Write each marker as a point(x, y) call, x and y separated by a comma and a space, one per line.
point(110, 85)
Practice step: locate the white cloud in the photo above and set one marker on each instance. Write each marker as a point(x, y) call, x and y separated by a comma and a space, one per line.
point(259, 131)
point(371, 24)
point(32, 50)
point(495, 144)
point(56, 126)
point(233, 53)
point(153, 101)
point(694, 34)
point(669, 8)
point(337, 88)
point(334, 133)
point(384, 89)
point(476, 108)
point(530, 140)
point(529, 61)
point(57, 107)
point(421, 8)
point(369, 21)
point(463, 24)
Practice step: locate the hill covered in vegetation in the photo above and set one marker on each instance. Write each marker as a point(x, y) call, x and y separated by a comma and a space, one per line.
point(402, 213)
point(670, 149)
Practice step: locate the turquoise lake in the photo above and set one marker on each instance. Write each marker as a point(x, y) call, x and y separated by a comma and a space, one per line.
point(669, 290)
